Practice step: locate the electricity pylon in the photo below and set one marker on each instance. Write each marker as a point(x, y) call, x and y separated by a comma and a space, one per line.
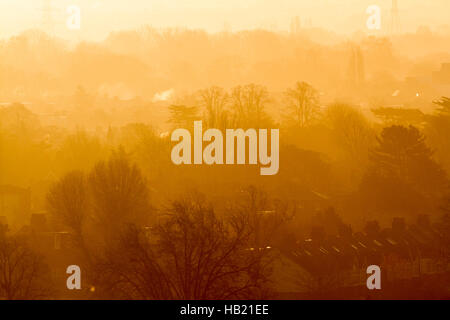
point(394, 27)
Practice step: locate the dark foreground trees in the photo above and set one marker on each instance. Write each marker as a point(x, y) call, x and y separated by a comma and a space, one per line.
point(403, 175)
point(67, 202)
point(437, 130)
point(96, 208)
point(23, 272)
point(189, 252)
point(192, 254)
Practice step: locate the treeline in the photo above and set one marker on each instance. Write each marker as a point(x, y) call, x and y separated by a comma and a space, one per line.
point(140, 63)
point(144, 228)
point(326, 151)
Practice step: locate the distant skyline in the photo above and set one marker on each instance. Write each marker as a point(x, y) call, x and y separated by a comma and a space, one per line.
point(99, 17)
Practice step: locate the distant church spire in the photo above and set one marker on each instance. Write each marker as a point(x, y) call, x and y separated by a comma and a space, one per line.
point(295, 25)
point(394, 27)
point(47, 23)
point(356, 72)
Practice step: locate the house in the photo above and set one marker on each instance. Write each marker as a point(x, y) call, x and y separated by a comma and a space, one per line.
point(339, 262)
point(442, 76)
point(14, 204)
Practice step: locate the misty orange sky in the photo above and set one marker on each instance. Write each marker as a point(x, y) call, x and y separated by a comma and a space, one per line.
point(99, 17)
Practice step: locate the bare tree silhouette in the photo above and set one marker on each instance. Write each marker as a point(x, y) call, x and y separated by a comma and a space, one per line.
point(302, 103)
point(214, 102)
point(68, 203)
point(248, 103)
point(193, 254)
point(120, 193)
point(23, 273)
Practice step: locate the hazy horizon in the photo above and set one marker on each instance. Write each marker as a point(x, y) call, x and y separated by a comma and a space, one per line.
point(101, 17)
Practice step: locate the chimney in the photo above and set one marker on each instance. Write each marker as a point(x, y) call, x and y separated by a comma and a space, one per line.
point(318, 234)
point(3, 225)
point(398, 225)
point(423, 221)
point(372, 228)
point(345, 231)
point(38, 222)
point(57, 241)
